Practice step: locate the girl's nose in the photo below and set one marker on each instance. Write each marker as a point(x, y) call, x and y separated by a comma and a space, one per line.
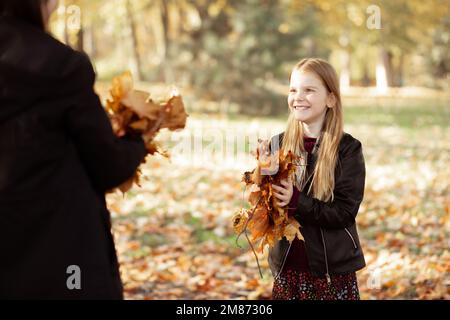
point(299, 96)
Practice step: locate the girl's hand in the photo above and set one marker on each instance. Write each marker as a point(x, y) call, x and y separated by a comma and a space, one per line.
point(284, 192)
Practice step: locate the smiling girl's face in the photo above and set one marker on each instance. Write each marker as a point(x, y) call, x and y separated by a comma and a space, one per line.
point(308, 98)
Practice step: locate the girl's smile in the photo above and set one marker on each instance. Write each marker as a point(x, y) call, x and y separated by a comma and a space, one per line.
point(298, 107)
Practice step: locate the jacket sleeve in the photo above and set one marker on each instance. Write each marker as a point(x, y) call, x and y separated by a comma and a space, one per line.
point(108, 160)
point(348, 194)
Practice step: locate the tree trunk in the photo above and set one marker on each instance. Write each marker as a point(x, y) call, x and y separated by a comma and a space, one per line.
point(164, 9)
point(79, 45)
point(401, 64)
point(365, 79)
point(386, 64)
point(384, 71)
point(311, 47)
point(66, 32)
point(165, 25)
point(134, 42)
point(90, 46)
point(345, 73)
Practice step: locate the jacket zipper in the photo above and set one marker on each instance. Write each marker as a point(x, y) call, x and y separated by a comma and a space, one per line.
point(316, 146)
point(351, 237)
point(327, 275)
point(284, 260)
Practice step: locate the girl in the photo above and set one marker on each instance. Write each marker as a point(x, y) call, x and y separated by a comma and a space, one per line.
point(58, 157)
point(325, 194)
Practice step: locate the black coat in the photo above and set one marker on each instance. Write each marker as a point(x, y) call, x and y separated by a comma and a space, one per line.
point(58, 156)
point(329, 228)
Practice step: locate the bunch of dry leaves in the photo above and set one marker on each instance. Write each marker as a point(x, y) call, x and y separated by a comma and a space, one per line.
point(266, 221)
point(134, 113)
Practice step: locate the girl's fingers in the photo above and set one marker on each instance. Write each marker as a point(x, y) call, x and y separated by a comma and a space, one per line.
point(280, 196)
point(277, 195)
point(279, 189)
point(282, 193)
point(276, 187)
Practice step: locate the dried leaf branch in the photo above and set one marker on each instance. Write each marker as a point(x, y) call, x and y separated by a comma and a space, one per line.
point(266, 221)
point(134, 113)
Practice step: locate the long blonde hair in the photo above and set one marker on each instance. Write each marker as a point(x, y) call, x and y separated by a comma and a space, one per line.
point(332, 130)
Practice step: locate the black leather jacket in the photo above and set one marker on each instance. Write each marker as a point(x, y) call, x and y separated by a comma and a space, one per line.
point(329, 229)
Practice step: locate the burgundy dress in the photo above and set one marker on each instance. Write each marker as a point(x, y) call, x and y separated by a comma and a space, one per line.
point(296, 281)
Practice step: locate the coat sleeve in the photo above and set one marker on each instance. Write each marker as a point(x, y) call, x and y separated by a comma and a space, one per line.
point(108, 160)
point(348, 194)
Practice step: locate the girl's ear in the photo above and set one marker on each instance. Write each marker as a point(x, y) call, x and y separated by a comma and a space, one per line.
point(331, 100)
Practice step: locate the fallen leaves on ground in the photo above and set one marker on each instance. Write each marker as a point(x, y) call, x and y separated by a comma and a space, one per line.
point(175, 240)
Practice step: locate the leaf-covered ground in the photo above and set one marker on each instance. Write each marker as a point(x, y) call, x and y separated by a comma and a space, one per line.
point(175, 239)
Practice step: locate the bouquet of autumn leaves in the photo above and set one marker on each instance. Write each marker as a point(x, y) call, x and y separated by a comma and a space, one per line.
point(134, 113)
point(266, 221)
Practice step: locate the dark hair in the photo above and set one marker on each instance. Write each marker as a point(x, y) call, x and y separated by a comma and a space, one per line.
point(26, 10)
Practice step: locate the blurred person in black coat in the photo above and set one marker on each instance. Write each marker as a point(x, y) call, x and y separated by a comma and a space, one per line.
point(58, 156)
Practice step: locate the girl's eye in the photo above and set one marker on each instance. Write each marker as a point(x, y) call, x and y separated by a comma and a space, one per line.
point(309, 90)
point(292, 90)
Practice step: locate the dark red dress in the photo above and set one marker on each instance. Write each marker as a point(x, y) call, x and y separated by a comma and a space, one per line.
point(296, 281)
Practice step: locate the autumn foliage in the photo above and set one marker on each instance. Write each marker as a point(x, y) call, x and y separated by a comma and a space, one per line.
point(134, 113)
point(266, 221)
